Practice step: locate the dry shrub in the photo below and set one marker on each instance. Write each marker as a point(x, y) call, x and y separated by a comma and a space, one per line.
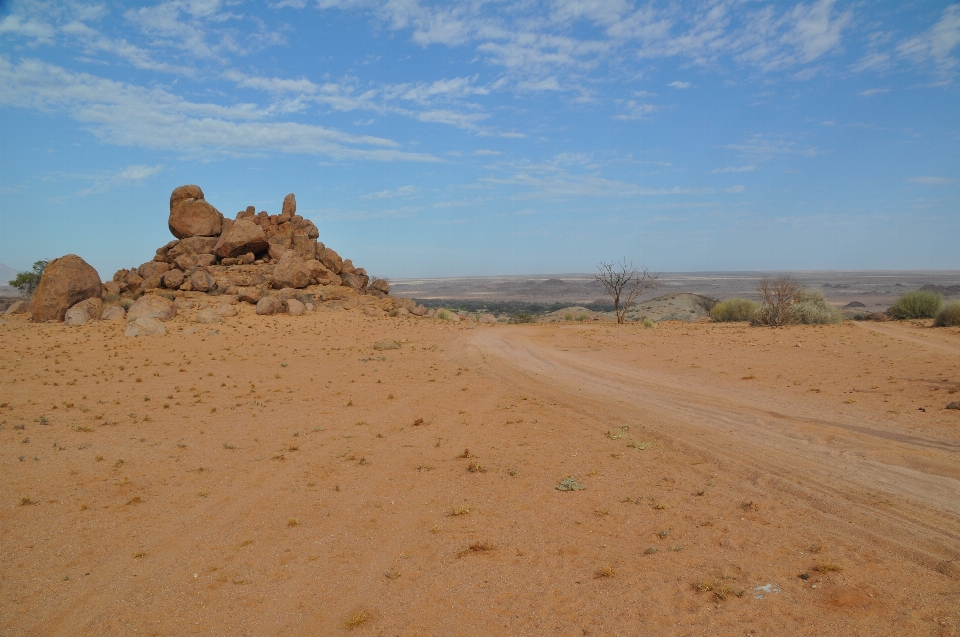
point(787, 302)
point(735, 309)
point(949, 315)
point(811, 308)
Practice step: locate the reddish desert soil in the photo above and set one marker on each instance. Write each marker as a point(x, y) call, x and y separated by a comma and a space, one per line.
point(275, 478)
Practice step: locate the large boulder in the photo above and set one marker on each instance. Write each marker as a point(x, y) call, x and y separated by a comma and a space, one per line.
point(280, 244)
point(18, 307)
point(332, 260)
point(113, 313)
point(351, 280)
point(242, 237)
point(295, 307)
point(84, 311)
point(191, 215)
point(152, 306)
point(291, 272)
point(65, 282)
point(303, 246)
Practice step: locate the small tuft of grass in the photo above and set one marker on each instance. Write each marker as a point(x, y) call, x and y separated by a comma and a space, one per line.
point(475, 467)
point(703, 586)
point(358, 618)
point(651, 550)
point(26, 502)
point(476, 547)
point(604, 572)
point(460, 510)
point(827, 567)
point(570, 483)
point(466, 454)
point(293, 521)
point(816, 548)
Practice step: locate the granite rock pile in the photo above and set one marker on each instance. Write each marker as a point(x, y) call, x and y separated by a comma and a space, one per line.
point(274, 262)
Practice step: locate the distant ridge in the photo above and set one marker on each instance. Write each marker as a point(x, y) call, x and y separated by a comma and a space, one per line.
point(7, 274)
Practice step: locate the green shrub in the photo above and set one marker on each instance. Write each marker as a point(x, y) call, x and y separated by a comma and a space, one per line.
point(917, 304)
point(523, 317)
point(446, 315)
point(648, 323)
point(949, 315)
point(811, 308)
point(568, 316)
point(735, 309)
point(27, 282)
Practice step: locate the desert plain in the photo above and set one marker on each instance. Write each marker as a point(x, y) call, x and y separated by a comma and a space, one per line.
point(278, 475)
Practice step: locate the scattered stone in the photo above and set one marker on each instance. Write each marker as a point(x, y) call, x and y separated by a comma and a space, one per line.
point(954, 405)
point(152, 306)
point(208, 315)
point(295, 307)
point(853, 304)
point(384, 345)
point(111, 287)
point(65, 282)
point(269, 305)
point(226, 310)
point(113, 313)
point(489, 319)
point(380, 287)
point(145, 327)
point(205, 260)
point(250, 295)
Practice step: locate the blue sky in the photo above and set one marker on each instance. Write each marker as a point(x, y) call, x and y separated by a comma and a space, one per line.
point(491, 137)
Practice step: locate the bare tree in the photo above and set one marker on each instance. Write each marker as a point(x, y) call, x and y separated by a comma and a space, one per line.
point(624, 283)
point(777, 295)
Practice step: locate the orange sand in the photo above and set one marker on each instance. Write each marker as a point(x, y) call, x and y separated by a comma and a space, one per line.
point(269, 479)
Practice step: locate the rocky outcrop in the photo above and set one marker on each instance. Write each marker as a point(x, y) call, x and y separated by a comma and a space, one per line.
point(65, 282)
point(272, 261)
point(145, 327)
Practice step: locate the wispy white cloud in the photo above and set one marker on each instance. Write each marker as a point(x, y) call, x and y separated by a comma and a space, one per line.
point(130, 115)
point(937, 43)
point(759, 148)
point(734, 169)
point(931, 181)
point(133, 174)
point(870, 92)
point(679, 85)
point(403, 191)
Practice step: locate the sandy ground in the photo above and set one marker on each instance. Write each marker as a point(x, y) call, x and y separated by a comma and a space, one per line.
point(274, 476)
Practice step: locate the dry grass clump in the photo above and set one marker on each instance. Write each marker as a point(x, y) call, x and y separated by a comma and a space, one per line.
point(604, 572)
point(735, 309)
point(827, 567)
point(358, 618)
point(476, 547)
point(475, 467)
point(948, 316)
point(917, 304)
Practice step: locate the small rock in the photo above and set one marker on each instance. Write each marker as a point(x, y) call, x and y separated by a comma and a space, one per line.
point(295, 307)
point(226, 310)
point(269, 305)
point(145, 327)
point(113, 313)
point(152, 306)
point(954, 405)
point(18, 307)
point(208, 315)
point(291, 272)
point(382, 345)
point(76, 315)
